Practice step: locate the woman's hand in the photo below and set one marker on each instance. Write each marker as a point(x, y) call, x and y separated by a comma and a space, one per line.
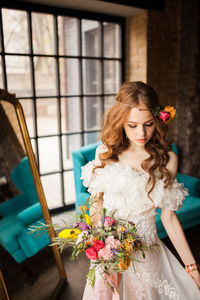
point(196, 276)
point(114, 279)
point(95, 208)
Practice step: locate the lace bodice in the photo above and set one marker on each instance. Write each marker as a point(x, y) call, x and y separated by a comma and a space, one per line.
point(124, 189)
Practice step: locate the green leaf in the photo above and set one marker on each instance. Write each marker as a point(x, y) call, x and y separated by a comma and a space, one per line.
point(91, 276)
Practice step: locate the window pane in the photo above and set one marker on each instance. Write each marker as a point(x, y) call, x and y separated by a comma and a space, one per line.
point(91, 76)
point(49, 154)
point(47, 118)
point(68, 32)
point(45, 76)
point(15, 31)
point(70, 143)
point(34, 147)
point(43, 33)
point(90, 138)
point(112, 40)
point(108, 102)
point(69, 76)
point(28, 109)
point(70, 114)
point(69, 187)
point(52, 190)
point(92, 113)
point(18, 75)
point(112, 76)
point(91, 38)
point(1, 75)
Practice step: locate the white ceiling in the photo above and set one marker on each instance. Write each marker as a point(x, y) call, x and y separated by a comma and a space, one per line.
point(91, 5)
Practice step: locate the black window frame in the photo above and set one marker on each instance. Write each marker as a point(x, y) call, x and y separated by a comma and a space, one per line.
point(59, 11)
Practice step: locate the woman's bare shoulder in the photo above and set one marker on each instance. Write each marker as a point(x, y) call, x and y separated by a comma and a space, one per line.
point(100, 149)
point(172, 164)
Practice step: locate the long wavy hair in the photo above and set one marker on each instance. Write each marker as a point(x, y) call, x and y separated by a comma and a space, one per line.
point(114, 138)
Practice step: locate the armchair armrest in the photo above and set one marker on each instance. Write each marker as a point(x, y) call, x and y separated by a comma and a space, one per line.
point(190, 182)
point(30, 215)
point(12, 205)
point(81, 199)
point(78, 162)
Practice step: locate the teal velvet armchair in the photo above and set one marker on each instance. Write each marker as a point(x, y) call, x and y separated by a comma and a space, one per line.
point(189, 214)
point(20, 212)
point(80, 158)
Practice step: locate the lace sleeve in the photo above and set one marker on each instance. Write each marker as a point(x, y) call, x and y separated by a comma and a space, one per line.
point(94, 182)
point(171, 199)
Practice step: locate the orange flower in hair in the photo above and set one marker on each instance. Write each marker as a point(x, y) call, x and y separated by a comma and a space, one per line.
point(166, 114)
point(172, 112)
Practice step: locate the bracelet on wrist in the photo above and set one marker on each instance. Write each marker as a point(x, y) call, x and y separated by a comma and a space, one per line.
point(192, 267)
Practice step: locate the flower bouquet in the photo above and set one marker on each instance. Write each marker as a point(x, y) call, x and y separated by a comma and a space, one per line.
point(110, 246)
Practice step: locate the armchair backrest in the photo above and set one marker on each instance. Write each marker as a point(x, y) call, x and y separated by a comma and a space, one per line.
point(80, 158)
point(174, 148)
point(22, 177)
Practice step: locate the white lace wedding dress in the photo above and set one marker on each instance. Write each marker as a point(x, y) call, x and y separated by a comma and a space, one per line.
point(160, 275)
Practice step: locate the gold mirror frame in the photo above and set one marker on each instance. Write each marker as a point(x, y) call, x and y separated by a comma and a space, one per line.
point(11, 98)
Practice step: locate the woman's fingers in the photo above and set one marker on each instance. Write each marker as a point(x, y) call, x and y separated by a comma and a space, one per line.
point(114, 279)
point(196, 277)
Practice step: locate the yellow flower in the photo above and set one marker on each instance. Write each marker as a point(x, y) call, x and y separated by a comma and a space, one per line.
point(172, 112)
point(124, 263)
point(127, 245)
point(121, 228)
point(87, 243)
point(87, 219)
point(83, 208)
point(69, 233)
point(80, 246)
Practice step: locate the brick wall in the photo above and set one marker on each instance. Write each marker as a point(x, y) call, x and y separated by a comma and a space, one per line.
point(187, 132)
point(163, 50)
point(163, 43)
point(136, 47)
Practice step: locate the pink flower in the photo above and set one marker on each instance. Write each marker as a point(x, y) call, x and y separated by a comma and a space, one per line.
point(164, 115)
point(91, 253)
point(105, 253)
point(98, 245)
point(113, 243)
point(108, 221)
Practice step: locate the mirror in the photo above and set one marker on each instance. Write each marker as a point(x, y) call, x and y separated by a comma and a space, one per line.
point(22, 199)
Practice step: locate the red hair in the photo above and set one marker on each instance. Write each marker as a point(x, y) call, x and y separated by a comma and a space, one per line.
point(113, 135)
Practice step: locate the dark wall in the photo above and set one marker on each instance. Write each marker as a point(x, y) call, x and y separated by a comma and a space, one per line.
point(188, 104)
point(173, 68)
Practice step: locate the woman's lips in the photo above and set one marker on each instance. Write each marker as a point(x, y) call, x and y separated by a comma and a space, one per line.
point(141, 140)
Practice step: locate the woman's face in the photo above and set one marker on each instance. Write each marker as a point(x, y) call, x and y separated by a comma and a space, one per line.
point(139, 126)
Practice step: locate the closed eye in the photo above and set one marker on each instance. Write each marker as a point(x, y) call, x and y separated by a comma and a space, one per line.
point(148, 125)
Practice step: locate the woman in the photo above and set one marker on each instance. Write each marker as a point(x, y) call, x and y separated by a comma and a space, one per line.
point(134, 171)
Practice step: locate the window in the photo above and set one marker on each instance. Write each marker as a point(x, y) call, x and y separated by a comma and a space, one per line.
point(65, 70)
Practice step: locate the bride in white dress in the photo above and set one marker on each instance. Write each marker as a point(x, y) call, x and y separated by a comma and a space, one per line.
point(134, 172)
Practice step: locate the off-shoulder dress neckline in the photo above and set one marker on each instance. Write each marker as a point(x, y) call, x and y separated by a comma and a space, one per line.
point(127, 166)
